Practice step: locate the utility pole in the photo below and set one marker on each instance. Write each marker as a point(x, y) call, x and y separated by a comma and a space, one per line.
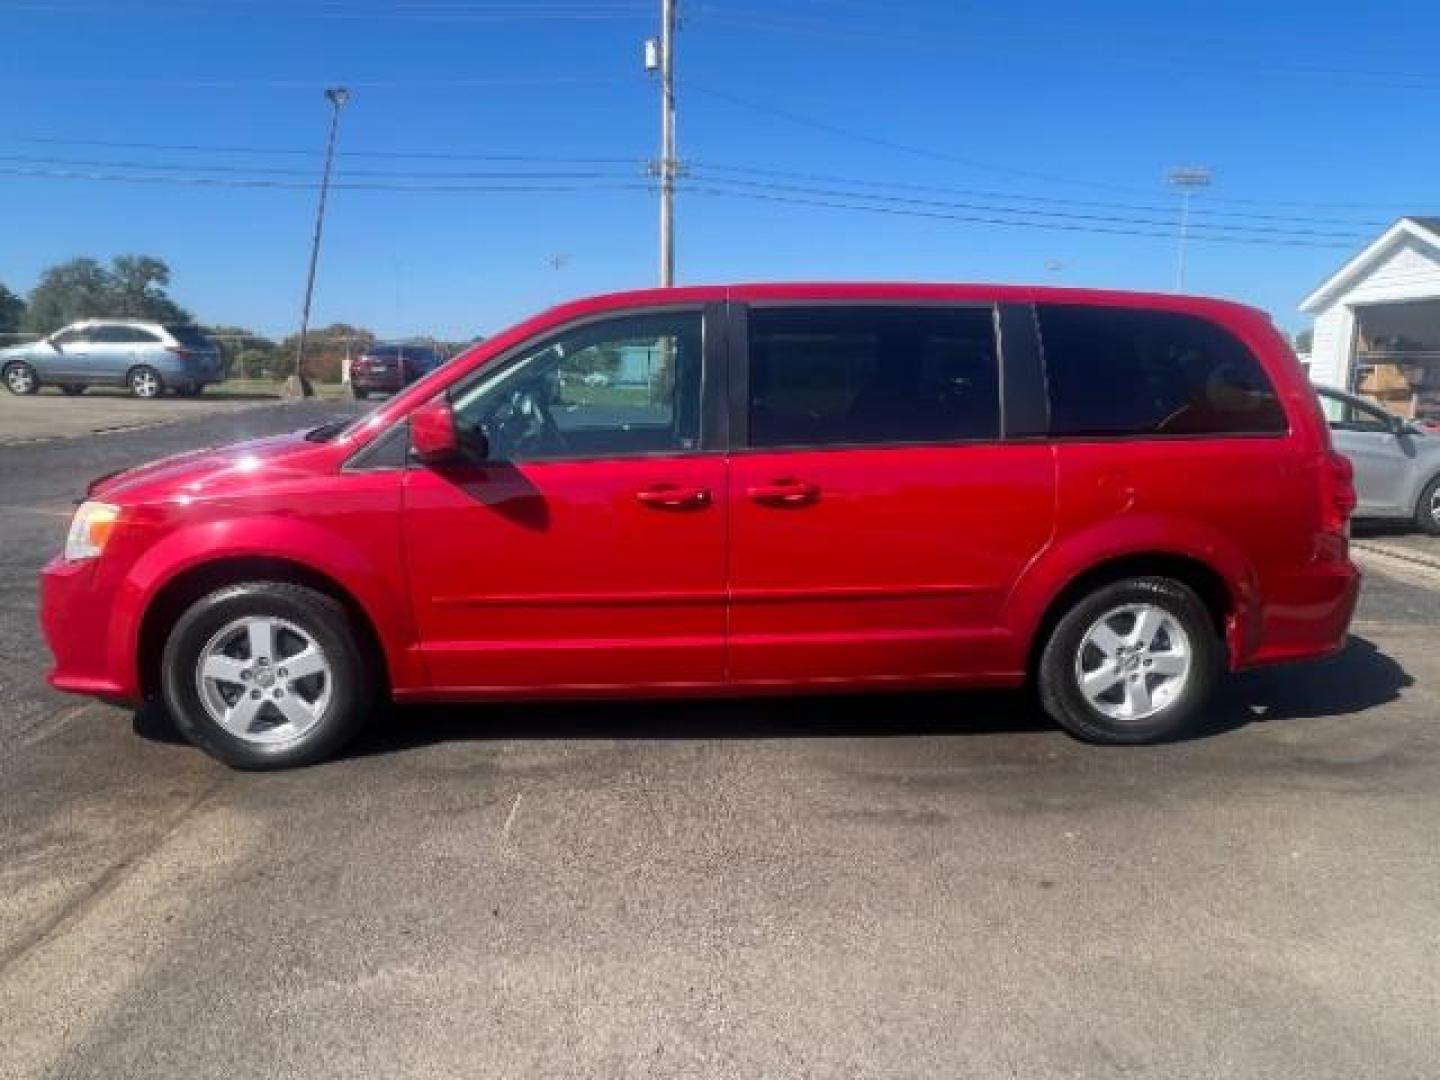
point(661, 55)
point(338, 96)
point(1187, 180)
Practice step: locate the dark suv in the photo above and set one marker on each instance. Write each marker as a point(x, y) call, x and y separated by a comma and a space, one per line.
point(383, 369)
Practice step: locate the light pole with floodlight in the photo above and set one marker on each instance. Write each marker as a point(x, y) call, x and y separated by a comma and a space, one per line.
point(1187, 180)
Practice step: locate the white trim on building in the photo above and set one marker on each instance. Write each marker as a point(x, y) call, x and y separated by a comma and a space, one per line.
point(1402, 266)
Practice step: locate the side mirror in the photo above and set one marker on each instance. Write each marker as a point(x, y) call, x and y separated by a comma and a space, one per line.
point(54, 344)
point(435, 440)
point(433, 437)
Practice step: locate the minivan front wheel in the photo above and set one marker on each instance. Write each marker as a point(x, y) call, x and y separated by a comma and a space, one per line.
point(145, 382)
point(1132, 662)
point(20, 378)
point(265, 675)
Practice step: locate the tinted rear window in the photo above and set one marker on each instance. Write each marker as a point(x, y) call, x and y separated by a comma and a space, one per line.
point(1119, 371)
point(847, 375)
point(192, 336)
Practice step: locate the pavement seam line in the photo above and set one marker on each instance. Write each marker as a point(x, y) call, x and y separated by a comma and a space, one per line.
point(1397, 553)
point(108, 882)
point(1412, 570)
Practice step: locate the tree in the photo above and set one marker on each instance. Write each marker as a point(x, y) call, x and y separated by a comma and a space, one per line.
point(137, 289)
point(78, 289)
point(133, 286)
point(248, 355)
point(326, 349)
point(12, 310)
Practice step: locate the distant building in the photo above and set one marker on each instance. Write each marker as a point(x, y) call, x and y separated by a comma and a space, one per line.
point(1377, 321)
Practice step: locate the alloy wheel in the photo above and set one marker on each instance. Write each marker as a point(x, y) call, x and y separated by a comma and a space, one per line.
point(20, 379)
point(264, 680)
point(1133, 661)
point(146, 384)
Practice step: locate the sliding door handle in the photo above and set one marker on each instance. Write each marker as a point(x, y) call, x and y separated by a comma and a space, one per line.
point(785, 492)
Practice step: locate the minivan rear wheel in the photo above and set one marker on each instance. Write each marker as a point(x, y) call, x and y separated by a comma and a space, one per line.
point(266, 675)
point(1132, 662)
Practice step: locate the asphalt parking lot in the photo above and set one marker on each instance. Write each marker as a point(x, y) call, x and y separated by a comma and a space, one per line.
point(912, 886)
point(50, 415)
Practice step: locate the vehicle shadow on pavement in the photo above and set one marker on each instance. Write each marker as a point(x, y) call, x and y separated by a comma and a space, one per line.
point(1359, 678)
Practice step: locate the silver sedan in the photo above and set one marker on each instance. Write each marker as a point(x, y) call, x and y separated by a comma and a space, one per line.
point(1397, 462)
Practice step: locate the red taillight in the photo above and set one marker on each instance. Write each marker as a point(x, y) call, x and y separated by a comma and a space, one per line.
point(1339, 482)
point(183, 354)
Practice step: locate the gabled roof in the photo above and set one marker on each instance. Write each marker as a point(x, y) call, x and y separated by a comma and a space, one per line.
point(1424, 229)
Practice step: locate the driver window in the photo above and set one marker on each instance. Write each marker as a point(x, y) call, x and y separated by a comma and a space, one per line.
point(620, 387)
point(71, 337)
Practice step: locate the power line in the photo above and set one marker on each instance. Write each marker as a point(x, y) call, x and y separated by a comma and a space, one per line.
point(976, 219)
point(1056, 215)
point(300, 185)
point(278, 170)
point(936, 43)
point(311, 84)
point(311, 152)
point(701, 189)
point(515, 12)
point(933, 154)
point(1047, 200)
point(894, 144)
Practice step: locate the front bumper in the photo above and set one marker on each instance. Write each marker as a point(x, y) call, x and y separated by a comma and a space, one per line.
point(77, 605)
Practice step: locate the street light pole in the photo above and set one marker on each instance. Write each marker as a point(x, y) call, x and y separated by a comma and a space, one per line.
point(338, 96)
point(1187, 180)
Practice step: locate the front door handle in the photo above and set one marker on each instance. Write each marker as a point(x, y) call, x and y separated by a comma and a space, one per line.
point(674, 497)
point(785, 492)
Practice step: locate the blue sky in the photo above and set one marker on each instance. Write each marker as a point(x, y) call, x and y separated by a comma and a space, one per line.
point(824, 139)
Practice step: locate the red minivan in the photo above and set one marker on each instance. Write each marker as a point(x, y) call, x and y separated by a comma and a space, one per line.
point(737, 490)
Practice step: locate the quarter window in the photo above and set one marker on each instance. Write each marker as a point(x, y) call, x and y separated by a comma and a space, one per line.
point(621, 387)
point(1121, 371)
point(827, 375)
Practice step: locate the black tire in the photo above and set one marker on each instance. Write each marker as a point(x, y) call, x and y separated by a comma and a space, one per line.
point(21, 378)
point(1057, 678)
point(1427, 510)
point(145, 382)
point(351, 686)
point(72, 389)
point(360, 395)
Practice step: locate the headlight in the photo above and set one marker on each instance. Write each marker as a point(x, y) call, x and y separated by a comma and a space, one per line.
point(90, 530)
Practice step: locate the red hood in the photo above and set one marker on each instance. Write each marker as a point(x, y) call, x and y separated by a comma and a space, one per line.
point(214, 470)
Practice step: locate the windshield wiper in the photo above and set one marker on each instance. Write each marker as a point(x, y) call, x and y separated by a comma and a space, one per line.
point(326, 432)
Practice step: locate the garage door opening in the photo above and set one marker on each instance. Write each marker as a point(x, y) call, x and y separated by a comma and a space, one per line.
point(1397, 357)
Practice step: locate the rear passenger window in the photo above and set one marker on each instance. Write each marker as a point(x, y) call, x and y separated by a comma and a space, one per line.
point(854, 375)
point(1118, 371)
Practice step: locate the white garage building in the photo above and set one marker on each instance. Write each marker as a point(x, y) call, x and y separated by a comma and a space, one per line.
point(1377, 321)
